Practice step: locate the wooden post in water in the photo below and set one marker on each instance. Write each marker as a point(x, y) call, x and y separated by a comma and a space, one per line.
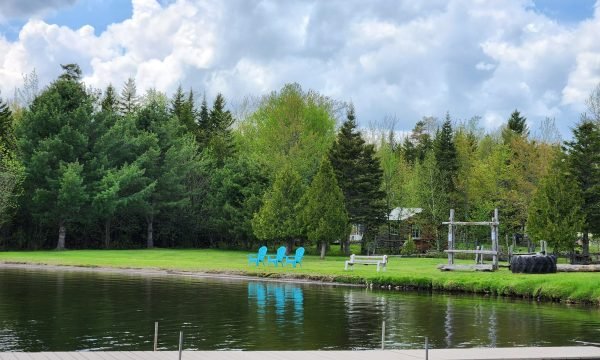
point(180, 343)
point(155, 335)
point(426, 348)
point(383, 335)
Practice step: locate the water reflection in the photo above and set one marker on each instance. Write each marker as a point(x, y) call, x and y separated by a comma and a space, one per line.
point(56, 311)
point(265, 296)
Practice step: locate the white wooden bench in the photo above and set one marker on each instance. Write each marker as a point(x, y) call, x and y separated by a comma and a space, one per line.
point(380, 261)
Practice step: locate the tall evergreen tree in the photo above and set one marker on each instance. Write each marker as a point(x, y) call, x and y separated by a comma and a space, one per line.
point(516, 126)
point(446, 158)
point(7, 138)
point(278, 217)
point(183, 108)
point(323, 212)
point(360, 177)
point(584, 160)
point(110, 102)
point(128, 102)
point(54, 143)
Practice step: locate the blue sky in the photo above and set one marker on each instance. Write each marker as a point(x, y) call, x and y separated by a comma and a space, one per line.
point(393, 58)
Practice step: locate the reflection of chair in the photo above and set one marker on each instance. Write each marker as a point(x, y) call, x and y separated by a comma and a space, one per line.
point(259, 257)
point(277, 259)
point(297, 258)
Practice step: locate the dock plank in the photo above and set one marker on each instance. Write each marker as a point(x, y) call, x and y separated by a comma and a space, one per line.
point(573, 352)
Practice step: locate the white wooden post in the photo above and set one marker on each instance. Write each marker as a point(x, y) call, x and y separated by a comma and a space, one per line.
point(451, 238)
point(155, 335)
point(495, 239)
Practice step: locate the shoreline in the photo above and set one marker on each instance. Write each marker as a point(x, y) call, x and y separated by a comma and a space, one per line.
point(156, 272)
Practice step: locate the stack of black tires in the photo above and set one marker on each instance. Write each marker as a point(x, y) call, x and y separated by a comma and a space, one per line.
point(533, 264)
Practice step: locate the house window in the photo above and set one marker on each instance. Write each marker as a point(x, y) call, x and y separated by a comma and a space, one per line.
point(415, 232)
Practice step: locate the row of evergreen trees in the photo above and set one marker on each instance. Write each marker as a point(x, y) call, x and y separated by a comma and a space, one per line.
point(101, 169)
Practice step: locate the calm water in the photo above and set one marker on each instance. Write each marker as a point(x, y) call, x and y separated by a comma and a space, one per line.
point(62, 311)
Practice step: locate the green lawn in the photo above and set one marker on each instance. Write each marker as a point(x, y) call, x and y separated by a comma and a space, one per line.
point(403, 272)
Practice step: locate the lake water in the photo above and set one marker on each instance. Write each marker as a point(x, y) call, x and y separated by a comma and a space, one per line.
point(65, 311)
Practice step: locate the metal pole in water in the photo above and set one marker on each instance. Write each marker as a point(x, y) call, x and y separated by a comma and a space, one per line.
point(180, 343)
point(426, 348)
point(155, 335)
point(383, 335)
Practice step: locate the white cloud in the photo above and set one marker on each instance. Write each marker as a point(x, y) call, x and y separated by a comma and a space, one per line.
point(406, 58)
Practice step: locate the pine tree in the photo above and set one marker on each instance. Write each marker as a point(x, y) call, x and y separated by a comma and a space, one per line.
point(516, 126)
point(360, 177)
point(7, 138)
point(324, 215)
point(278, 217)
point(446, 157)
point(183, 109)
point(54, 144)
point(584, 164)
point(109, 102)
point(128, 102)
point(218, 132)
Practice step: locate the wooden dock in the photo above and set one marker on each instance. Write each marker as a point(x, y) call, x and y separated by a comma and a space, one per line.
point(575, 352)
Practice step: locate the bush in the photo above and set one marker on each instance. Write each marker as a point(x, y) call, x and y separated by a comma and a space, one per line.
point(409, 247)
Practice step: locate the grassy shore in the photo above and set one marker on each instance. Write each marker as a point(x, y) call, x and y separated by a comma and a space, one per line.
point(404, 273)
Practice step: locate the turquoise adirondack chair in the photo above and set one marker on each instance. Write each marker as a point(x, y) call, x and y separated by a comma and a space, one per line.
point(277, 259)
point(297, 258)
point(259, 257)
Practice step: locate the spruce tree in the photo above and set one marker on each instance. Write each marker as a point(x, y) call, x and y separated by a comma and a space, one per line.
point(128, 102)
point(218, 132)
point(7, 139)
point(323, 212)
point(516, 126)
point(53, 139)
point(446, 156)
point(584, 164)
point(110, 101)
point(360, 176)
point(183, 109)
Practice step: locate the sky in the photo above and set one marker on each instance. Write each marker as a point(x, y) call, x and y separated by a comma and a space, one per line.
point(400, 59)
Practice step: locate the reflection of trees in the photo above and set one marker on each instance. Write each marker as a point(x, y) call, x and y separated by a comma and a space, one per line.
point(76, 311)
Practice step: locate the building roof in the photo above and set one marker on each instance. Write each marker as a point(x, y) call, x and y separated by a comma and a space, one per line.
point(400, 214)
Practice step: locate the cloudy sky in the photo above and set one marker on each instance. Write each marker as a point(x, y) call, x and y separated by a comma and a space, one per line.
point(399, 58)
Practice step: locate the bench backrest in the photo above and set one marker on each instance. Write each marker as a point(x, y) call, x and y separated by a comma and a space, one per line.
point(382, 258)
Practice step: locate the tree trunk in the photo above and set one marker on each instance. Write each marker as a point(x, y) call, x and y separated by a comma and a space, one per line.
point(62, 234)
point(107, 233)
point(289, 246)
point(585, 244)
point(347, 247)
point(323, 249)
point(150, 233)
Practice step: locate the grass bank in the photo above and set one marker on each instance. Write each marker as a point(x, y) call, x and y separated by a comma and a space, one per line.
point(402, 273)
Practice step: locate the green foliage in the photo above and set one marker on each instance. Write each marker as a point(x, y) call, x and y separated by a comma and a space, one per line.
point(128, 103)
point(409, 247)
point(110, 101)
point(360, 176)
point(54, 133)
point(278, 217)
point(516, 126)
point(323, 213)
point(555, 214)
point(7, 137)
point(290, 128)
point(12, 173)
point(584, 165)
point(446, 159)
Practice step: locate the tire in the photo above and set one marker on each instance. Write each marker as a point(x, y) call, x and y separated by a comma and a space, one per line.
point(533, 264)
